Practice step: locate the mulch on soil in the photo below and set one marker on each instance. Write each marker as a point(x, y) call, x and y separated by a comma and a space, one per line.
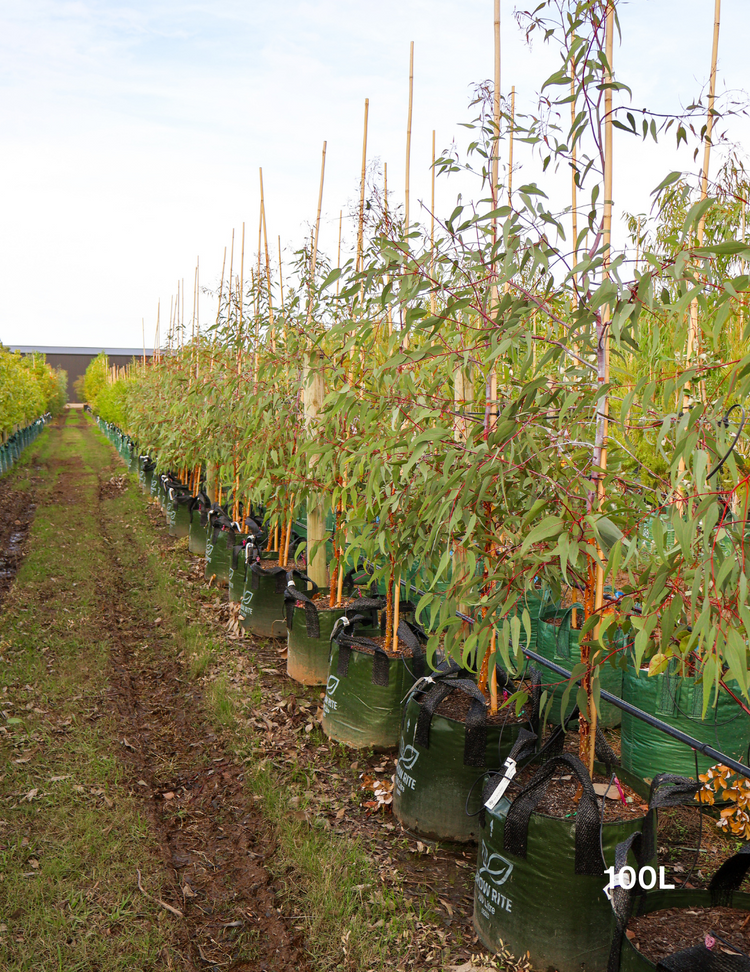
point(662, 933)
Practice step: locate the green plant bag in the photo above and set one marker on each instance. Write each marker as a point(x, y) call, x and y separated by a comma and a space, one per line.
point(145, 472)
point(559, 644)
point(678, 700)
point(197, 533)
point(546, 896)
point(723, 891)
point(237, 570)
point(631, 960)
point(311, 623)
point(307, 657)
point(262, 605)
point(433, 782)
point(357, 711)
point(178, 513)
point(153, 485)
point(219, 543)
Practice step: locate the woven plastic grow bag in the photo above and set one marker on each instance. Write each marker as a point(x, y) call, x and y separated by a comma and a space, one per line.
point(722, 892)
point(221, 536)
point(146, 469)
point(178, 511)
point(237, 570)
point(366, 687)
point(310, 625)
point(443, 760)
point(262, 609)
point(197, 533)
point(559, 643)
point(678, 700)
point(539, 882)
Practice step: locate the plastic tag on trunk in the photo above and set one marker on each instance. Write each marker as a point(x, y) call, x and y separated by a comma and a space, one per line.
point(502, 786)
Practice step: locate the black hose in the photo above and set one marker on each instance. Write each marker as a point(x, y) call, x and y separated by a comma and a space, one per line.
point(725, 423)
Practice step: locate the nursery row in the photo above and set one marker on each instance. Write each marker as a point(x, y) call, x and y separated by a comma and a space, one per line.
point(29, 387)
point(11, 449)
point(533, 871)
point(493, 434)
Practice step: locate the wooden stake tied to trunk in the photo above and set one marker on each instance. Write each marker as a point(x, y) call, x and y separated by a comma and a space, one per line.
point(314, 394)
point(596, 571)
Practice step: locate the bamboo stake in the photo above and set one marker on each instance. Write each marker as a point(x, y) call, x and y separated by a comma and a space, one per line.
point(490, 409)
point(361, 224)
point(240, 335)
point(230, 291)
point(221, 287)
point(314, 395)
point(603, 364)
point(510, 146)
point(143, 330)
point(157, 335)
point(288, 532)
point(491, 389)
point(268, 265)
point(693, 335)
point(338, 258)
point(396, 612)
point(432, 229)
point(197, 312)
point(408, 138)
point(573, 184)
point(316, 234)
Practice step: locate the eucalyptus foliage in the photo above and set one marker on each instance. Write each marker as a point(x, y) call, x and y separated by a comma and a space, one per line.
point(477, 500)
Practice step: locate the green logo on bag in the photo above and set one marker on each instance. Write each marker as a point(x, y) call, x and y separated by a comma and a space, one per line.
point(245, 609)
point(408, 758)
point(328, 703)
point(495, 869)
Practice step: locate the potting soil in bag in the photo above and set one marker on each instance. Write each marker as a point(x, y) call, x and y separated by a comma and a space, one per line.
point(366, 686)
point(540, 879)
point(699, 917)
point(444, 760)
point(678, 700)
point(558, 642)
point(310, 625)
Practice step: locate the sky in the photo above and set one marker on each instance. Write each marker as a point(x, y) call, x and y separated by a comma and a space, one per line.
point(132, 133)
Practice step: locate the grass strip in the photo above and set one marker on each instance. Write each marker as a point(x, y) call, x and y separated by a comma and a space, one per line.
point(71, 838)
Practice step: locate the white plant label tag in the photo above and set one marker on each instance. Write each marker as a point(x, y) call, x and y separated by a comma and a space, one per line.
point(510, 771)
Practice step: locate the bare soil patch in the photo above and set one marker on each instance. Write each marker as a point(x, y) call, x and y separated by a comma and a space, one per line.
point(16, 515)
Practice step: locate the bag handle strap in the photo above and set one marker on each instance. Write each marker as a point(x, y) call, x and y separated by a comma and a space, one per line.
point(588, 859)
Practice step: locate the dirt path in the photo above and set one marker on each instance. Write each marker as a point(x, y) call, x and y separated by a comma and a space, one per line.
point(216, 897)
point(212, 838)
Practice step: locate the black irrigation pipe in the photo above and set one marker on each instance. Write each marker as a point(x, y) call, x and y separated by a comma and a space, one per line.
point(633, 710)
point(664, 727)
